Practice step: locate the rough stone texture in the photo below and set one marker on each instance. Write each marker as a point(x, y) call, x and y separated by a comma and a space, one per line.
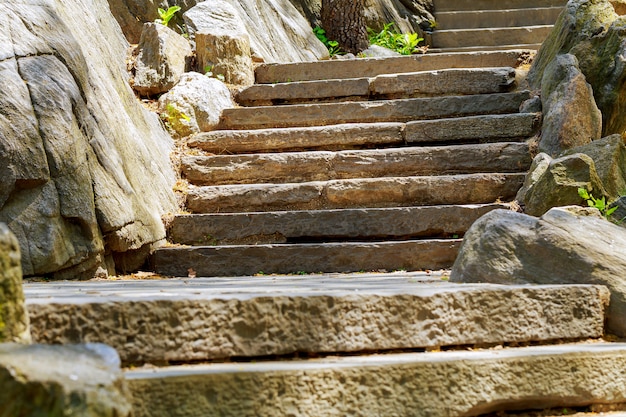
point(370, 111)
point(367, 192)
point(482, 128)
point(342, 136)
point(278, 32)
point(222, 41)
point(302, 226)
point(555, 182)
point(619, 215)
point(450, 384)
point(162, 59)
point(594, 33)
point(609, 157)
point(371, 67)
point(462, 38)
point(619, 6)
point(560, 247)
point(188, 320)
point(14, 324)
point(426, 83)
point(570, 115)
point(325, 165)
point(62, 381)
point(86, 175)
point(195, 104)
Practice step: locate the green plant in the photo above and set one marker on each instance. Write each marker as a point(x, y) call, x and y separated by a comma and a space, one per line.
point(208, 71)
point(332, 46)
point(389, 37)
point(174, 117)
point(166, 15)
point(599, 203)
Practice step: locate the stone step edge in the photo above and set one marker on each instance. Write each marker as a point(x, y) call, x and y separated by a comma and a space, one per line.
point(384, 86)
point(319, 225)
point(503, 29)
point(358, 135)
point(371, 67)
point(439, 383)
point(467, 18)
point(307, 314)
point(447, 5)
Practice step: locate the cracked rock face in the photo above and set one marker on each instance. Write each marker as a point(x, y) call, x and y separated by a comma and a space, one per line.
point(85, 174)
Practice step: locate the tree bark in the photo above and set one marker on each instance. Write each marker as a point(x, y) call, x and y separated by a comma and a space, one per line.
point(344, 22)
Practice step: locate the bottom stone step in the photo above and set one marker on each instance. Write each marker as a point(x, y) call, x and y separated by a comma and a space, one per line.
point(442, 384)
point(216, 261)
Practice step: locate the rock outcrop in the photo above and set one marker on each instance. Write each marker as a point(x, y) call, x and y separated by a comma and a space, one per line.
point(571, 117)
point(162, 59)
point(564, 246)
point(85, 168)
point(14, 325)
point(62, 381)
point(592, 31)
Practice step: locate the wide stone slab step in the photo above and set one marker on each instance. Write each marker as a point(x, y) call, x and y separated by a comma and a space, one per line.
point(353, 193)
point(294, 167)
point(402, 110)
point(450, 384)
point(416, 84)
point(497, 18)
point(326, 225)
point(455, 38)
point(185, 320)
point(482, 128)
point(371, 67)
point(458, 5)
point(302, 258)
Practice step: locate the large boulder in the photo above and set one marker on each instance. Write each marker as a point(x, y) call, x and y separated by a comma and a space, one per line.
point(14, 326)
point(161, 61)
point(85, 168)
point(571, 117)
point(62, 381)
point(564, 246)
point(593, 32)
point(195, 104)
point(222, 41)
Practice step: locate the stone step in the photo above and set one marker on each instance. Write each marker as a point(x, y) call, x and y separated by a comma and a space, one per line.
point(531, 47)
point(473, 19)
point(459, 5)
point(397, 223)
point(450, 384)
point(356, 193)
point(371, 67)
point(369, 135)
point(295, 167)
point(416, 84)
point(403, 110)
point(456, 38)
point(186, 320)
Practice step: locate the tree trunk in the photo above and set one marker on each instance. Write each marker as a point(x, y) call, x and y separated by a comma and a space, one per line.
point(344, 22)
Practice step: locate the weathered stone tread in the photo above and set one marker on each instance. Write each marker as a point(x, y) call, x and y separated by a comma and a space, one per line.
point(473, 19)
point(325, 166)
point(460, 5)
point(454, 38)
point(325, 225)
point(402, 110)
point(371, 67)
point(451, 384)
point(353, 193)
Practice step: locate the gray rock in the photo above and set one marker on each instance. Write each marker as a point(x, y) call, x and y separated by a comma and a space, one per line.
point(58, 381)
point(564, 247)
point(222, 41)
point(195, 104)
point(555, 182)
point(619, 216)
point(571, 117)
point(87, 171)
point(14, 324)
point(594, 33)
point(162, 59)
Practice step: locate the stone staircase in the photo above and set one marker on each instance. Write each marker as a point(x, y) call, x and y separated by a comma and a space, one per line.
point(479, 25)
point(338, 166)
point(343, 166)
